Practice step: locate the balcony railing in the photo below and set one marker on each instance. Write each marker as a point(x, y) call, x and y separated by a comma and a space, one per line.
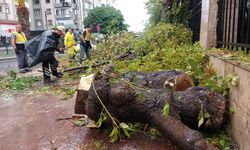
point(64, 4)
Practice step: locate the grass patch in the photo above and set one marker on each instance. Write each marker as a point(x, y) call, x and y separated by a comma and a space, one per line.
point(17, 83)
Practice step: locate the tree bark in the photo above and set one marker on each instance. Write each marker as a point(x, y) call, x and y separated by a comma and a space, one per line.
point(143, 101)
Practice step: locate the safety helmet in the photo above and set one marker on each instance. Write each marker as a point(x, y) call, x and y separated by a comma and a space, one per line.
point(61, 28)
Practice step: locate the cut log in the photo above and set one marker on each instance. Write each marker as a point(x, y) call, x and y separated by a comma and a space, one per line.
point(82, 93)
point(144, 100)
point(174, 80)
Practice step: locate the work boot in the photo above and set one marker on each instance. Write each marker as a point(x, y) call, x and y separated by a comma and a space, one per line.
point(22, 71)
point(48, 81)
point(28, 69)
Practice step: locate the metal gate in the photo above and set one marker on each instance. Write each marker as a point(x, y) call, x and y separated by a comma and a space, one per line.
point(195, 20)
point(233, 28)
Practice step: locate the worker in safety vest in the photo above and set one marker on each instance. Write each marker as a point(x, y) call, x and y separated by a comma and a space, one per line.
point(85, 44)
point(70, 44)
point(18, 40)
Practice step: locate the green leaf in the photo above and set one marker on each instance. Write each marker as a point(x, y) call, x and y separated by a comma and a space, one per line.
point(234, 80)
point(207, 115)
point(113, 81)
point(141, 96)
point(165, 111)
point(124, 125)
point(126, 132)
point(232, 110)
point(114, 135)
point(195, 67)
point(200, 118)
point(80, 122)
point(201, 121)
point(208, 122)
point(100, 120)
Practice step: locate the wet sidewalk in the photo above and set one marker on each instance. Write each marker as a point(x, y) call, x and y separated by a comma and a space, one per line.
point(32, 122)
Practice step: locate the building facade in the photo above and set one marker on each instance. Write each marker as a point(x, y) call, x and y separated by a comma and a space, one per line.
point(46, 13)
point(42, 14)
point(8, 17)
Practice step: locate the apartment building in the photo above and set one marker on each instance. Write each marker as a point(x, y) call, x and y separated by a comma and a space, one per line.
point(42, 14)
point(8, 17)
point(45, 13)
point(69, 13)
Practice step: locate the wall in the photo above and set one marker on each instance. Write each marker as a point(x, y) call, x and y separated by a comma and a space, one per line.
point(239, 99)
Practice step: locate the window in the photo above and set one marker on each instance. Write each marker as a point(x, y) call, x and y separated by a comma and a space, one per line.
point(57, 1)
point(47, 1)
point(62, 1)
point(36, 1)
point(7, 9)
point(38, 23)
point(37, 12)
point(1, 9)
point(50, 22)
point(63, 11)
point(48, 11)
point(16, 7)
point(57, 12)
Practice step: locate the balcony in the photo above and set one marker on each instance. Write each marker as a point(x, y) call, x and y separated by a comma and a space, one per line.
point(65, 16)
point(88, 2)
point(64, 4)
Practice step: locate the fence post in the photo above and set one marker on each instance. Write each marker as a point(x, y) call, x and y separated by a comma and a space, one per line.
point(208, 23)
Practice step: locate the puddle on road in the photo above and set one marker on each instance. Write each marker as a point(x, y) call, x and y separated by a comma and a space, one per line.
point(30, 122)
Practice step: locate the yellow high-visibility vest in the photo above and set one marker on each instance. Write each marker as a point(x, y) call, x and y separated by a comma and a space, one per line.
point(20, 37)
point(69, 40)
point(88, 35)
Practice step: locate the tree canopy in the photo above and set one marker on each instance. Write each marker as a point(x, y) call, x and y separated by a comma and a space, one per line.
point(109, 19)
point(23, 17)
point(169, 11)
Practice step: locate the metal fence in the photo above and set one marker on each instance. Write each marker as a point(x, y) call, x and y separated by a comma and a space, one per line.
point(233, 28)
point(195, 20)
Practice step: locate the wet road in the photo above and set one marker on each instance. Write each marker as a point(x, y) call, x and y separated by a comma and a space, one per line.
point(7, 65)
point(31, 122)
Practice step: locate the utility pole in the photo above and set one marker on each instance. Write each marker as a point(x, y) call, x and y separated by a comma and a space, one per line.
point(45, 15)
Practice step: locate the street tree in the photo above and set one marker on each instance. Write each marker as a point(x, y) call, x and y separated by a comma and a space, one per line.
point(110, 19)
point(23, 17)
point(169, 11)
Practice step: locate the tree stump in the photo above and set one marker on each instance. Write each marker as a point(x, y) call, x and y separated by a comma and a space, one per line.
point(141, 97)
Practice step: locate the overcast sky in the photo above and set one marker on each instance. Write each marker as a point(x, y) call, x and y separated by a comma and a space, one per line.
point(134, 13)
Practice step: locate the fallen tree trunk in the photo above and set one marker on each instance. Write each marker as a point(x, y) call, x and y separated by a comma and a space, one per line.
point(144, 103)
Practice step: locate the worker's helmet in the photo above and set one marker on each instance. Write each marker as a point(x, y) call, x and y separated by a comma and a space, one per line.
point(61, 28)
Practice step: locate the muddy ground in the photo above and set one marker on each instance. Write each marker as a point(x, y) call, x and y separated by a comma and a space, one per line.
point(31, 121)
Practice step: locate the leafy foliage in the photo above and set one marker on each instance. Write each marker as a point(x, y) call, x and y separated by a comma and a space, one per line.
point(206, 76)
point(165, 110)
point(23, 17)
point(110, 19)
point(203, 117)
point(169, 11)
point(220, 139)
point(17, 83)
point(161, 47)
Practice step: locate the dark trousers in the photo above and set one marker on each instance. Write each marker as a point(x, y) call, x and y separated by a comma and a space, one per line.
point(51, 63)
point(82, 50)
point(22, 58)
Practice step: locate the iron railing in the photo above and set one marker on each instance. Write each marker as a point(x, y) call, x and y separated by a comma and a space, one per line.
point(195, 20)
point(233, 27)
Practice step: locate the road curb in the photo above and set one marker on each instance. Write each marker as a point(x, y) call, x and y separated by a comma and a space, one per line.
point(9, 58)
